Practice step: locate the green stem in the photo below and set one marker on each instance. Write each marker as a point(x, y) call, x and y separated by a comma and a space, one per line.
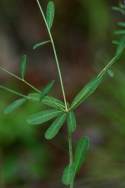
point(55, 55)
point(13, 91)
point(61, 83)
point(107, 67)
point(20, 79)
point(70, 155)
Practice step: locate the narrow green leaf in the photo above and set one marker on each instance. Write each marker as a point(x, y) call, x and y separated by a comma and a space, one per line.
point(50, 12)
point(12, 91)
point(80, 153)
point(68, 175)
point(40, 44)
point(23, 66)
point(42, 117)
point(53, 130)
point(71, 121)
point(46, 89)
point(86, 92)
point(54, 103)
point(48, 101)
point(14, 105)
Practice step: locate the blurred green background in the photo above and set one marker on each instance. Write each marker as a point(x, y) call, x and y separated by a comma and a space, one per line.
point(83, 33)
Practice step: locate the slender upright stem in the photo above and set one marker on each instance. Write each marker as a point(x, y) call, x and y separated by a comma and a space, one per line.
point(70, 155)
point(61, 83)
point(55, 55)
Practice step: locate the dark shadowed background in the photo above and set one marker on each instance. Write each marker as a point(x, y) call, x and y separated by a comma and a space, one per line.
point(83, 33)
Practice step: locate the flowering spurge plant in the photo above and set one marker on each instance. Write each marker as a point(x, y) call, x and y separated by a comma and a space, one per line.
point(61, 112)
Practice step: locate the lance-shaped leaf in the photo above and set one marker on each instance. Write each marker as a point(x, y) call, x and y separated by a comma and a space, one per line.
point(86, 92)
point(53, 102)
point(53, 130)
point(50, 13)
point(80, 153)
point(42, 117)
point(23, 64)
point(46, 89)
point(14, 105)
point(71, 122)
point(38, 45)
point(48, 101)
point(68, 175)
